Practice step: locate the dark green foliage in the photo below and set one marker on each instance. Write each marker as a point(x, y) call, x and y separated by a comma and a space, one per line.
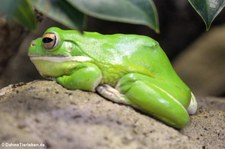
point(208, 9)
point(72, 13)
point(19, 10)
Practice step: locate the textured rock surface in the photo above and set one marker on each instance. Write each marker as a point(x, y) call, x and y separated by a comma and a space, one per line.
point(44, 112)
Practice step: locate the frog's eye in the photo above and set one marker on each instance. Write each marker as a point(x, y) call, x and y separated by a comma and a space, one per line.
point(49, 40)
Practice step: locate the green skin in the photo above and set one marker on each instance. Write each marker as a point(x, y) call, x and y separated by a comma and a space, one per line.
point(133, 66)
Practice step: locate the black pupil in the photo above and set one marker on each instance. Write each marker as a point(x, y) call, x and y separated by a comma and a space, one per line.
point(47, 40)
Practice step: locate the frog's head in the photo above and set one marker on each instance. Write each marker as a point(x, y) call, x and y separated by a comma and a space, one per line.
point(56, 52)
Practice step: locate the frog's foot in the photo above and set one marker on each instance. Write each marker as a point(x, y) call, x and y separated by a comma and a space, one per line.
point(149, 95)
point(193, 105)
point(112, 94)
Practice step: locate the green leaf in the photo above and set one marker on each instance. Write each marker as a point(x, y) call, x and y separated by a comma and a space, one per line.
point(129, 11)
point(208, 9)
point(61, 11)
point(20, 10)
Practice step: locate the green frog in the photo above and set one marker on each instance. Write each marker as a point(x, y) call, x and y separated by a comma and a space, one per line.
point(128, 69)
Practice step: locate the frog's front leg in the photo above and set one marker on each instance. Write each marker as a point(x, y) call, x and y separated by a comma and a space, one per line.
point(85, 76)
point(145, 94)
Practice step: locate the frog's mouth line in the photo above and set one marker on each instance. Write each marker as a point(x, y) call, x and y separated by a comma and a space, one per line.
point(61, 59)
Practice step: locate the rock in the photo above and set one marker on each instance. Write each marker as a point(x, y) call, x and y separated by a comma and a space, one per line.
point(208, 125)
point(11, 37)
point(21, 61)
point(202, 65)
point(44, 112)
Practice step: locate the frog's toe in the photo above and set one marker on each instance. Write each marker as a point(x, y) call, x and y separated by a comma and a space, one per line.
point(112, 94)
point(193, 105)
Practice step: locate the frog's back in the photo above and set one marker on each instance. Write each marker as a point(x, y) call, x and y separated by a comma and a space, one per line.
point(119, 54)
point(128, 53)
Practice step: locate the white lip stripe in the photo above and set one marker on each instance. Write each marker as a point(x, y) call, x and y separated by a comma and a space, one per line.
point(62, 59)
